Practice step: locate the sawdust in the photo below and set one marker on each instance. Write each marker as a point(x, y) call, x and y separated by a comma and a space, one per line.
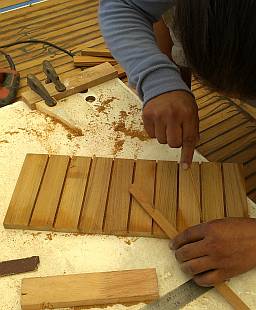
point(105, 104)
point(48, 236)
point(11, 133)
point(130, 131)
point(118, 146)
point(4, 141)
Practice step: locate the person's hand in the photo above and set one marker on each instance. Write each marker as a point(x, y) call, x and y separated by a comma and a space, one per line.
point(173, 118)
point(218, 250)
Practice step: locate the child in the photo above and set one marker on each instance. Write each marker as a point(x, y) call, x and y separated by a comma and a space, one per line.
point(217, 40)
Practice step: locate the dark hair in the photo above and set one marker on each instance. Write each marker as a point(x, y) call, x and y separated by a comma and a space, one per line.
point(219, 42)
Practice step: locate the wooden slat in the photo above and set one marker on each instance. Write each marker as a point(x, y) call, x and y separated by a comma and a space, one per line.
point(144, 178)
point(88, 61)
point(189, 210)
point(117, 212)
point(73, 194)
point(212, 191)
point(96, 196)
point(166, 194)
point(50, 193)
point(235, 194)
point(91, 289)
point(25, 193)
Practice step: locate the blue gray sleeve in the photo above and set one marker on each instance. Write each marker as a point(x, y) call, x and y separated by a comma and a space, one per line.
point(127, 26)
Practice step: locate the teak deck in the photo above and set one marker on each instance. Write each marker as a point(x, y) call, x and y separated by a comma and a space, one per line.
point(91, 195)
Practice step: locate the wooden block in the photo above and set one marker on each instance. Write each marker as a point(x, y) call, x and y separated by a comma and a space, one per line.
point(50, 192)
point(73, 194)
point(235, 192)
point(99, 52)
point(144, 178)
point(166, 193)
point(88, 61)
point(212, 191)
point(91, 289)
point(117, 213)
point(27, 187)
point(189, 210)
point(75, 84)
point(96, 196)
point(18, 266)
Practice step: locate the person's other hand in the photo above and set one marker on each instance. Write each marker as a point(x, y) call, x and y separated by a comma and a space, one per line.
point(218, 250)
point(172, 118)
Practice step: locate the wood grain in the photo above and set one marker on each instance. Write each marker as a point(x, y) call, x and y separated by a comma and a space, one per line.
point(50, 193)
point(189, 210)
point(166, 193)
point(91, 289)
point(212, 191)
point(73, 194)
point(96, 196)
point(25, 193)
point(235, 194)
point(144, 177)
point(118, 206)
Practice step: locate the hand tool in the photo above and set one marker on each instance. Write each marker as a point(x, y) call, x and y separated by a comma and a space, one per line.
point(171, 232)
point(9, 82)
point(39, 88)
point(51, 77)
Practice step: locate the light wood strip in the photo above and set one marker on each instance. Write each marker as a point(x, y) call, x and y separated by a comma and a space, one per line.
point(87, 61)
point(212, 191)
point(235, 194)
point(117, 212)
point(144, 178)
point(90, 289)
point(166, 194)
point(99, 52)
point(189, 210)
point(96, 196)
point(73, 194)
point(25, 193)
point(50, 193)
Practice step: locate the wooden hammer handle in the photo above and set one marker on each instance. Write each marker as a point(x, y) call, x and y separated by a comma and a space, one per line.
point(223, 289)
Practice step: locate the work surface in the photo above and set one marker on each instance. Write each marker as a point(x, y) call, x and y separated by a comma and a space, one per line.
point(112, 127)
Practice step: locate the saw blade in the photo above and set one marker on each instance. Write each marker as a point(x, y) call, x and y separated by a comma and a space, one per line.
point(179, 297)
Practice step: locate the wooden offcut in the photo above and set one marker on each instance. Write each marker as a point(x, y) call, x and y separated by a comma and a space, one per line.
point(17, 266)
point(90, 289)
point(91, 195)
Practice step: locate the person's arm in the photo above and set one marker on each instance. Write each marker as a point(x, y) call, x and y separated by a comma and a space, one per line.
point(216, 251)
point(127, 26)
point(170, 113)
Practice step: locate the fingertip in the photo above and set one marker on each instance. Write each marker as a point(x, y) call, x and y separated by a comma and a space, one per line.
point(185, 166)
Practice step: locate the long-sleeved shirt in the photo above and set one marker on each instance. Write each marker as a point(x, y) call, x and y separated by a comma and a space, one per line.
point(127, 26)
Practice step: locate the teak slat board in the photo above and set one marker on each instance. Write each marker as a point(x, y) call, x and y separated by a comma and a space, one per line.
point(90, 289)
point(91, 195)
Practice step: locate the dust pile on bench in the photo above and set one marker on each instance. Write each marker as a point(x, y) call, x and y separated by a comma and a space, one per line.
point(90, 195)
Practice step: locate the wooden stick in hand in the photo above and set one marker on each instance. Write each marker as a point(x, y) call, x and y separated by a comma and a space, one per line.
point(230, 296)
